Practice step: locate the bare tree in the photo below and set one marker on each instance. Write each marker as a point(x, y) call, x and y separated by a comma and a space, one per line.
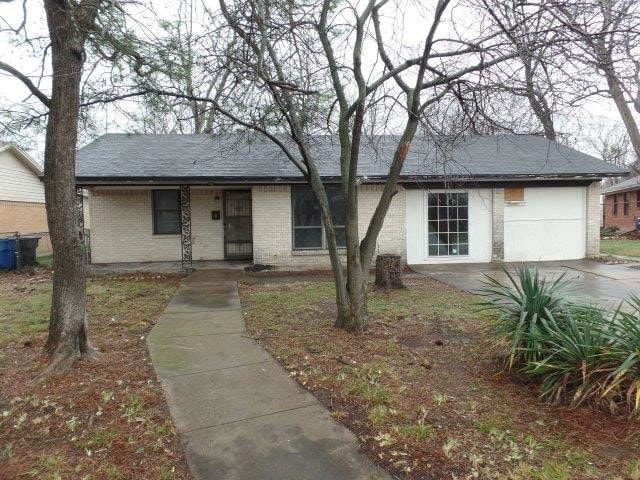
point(185, 55)
point(283, 57)
point(605, 36)
point(613, 146)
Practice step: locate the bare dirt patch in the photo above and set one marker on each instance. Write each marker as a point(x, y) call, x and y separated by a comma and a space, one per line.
point(106, 419)
point(423, 391)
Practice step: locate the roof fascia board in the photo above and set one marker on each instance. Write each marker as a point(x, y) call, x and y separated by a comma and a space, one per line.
point(408, 181)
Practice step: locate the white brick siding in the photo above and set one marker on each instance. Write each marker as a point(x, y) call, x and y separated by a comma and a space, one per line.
point(497, 225)
point(122, 230)
point(272, 242)
point(593, 219)
point(122, 227)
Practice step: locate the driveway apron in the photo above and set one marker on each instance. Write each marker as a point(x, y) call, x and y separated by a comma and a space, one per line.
point(239, 414)
point(607, 285)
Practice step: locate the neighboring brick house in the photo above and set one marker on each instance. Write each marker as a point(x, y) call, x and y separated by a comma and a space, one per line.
point(22, 206)
point(234, 197)
point(621, 205)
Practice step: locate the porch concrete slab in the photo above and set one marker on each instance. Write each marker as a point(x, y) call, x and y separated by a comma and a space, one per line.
point(164, 267)
point(233, 394)
point(195, 354)
point(198, 300)
point(300, 444)
point(198, 323)
point(602, 284)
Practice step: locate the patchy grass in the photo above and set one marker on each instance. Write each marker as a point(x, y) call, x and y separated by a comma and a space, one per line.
point(423, 392)
point(626, 247)
point(45, 261)
point(106, 419)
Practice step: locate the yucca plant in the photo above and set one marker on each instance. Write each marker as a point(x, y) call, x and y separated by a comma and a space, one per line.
point(573, 361)
point(624, 382)
point(522, 303)
point(591, 356)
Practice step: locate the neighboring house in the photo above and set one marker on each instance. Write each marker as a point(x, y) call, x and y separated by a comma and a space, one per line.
point(621, 204)
point(497, 198)
point(21, 192)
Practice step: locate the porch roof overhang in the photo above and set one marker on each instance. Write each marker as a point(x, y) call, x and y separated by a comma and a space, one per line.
point(409, 181)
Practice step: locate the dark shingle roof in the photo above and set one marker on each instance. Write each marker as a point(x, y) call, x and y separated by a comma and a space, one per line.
point(122, 157)
point(632, 183)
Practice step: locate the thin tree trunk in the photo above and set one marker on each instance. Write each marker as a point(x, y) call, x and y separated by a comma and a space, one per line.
point(625, 112)
point(538, 102)
point(67, 339)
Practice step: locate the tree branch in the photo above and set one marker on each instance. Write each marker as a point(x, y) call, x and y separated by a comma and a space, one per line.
point(35, 91)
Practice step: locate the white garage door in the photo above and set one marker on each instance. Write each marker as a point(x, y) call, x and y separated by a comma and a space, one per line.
point(548, 225)
point(448, 226)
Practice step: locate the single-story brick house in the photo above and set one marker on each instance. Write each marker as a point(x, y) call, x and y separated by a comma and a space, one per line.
point(621, 205)
point(234, 197)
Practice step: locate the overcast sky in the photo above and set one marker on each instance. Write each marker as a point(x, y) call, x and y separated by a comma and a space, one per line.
point(592, 115)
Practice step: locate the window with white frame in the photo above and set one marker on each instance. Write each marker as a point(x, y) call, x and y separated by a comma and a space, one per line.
point(448, 223)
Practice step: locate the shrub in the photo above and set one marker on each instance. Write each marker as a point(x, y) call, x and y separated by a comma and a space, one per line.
point(580, 353)
point(608, 231)
point(592, 356)
point(521, 304)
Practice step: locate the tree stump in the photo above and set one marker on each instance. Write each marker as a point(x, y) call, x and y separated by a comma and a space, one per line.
point(388, 272)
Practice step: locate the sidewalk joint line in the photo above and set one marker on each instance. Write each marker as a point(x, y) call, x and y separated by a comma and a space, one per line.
point(206, 335)
point(215, 369)
point(251, 418)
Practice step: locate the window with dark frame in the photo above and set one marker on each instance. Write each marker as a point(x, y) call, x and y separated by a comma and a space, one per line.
point(448, 221)
point(627, 201)
point(638, 199)
point(166, 212)
point(615, 204)
point(308, 232)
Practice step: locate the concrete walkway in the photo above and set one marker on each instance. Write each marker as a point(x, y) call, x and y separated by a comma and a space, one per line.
point(240, 415)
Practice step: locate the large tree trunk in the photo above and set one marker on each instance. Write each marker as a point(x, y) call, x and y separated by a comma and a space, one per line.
point(67, 339)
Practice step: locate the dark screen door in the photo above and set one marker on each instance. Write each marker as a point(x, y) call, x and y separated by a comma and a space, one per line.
point(238, 228)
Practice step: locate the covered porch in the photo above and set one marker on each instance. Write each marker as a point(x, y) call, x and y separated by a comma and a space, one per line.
point(161, 227)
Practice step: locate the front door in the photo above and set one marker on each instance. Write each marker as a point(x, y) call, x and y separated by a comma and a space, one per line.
point(238, 228)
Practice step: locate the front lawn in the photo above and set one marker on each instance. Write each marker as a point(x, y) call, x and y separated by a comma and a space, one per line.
point(626, 247)
point(423, 392)
point(106, 419)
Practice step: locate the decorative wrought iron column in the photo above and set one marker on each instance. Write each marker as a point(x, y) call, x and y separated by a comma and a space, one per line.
point(82, 233)
point(80, 212)
point(185, 224)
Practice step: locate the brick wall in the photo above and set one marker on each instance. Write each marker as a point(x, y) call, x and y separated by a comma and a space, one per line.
point(497, 225)
point(122, 227)
point(620, 220)
point(593, 217)
point(23, 217)
point(272, 242)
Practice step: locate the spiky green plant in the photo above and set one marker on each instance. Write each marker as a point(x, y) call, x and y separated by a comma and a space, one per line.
point(522, 303)
point(572, 359)
point(624, 382)
point(591, 356)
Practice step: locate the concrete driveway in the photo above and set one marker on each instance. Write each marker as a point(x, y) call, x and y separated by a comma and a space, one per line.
point(597, 282)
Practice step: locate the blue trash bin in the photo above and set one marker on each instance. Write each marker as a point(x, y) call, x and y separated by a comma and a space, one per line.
point(7, 253)
point(638, 224)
